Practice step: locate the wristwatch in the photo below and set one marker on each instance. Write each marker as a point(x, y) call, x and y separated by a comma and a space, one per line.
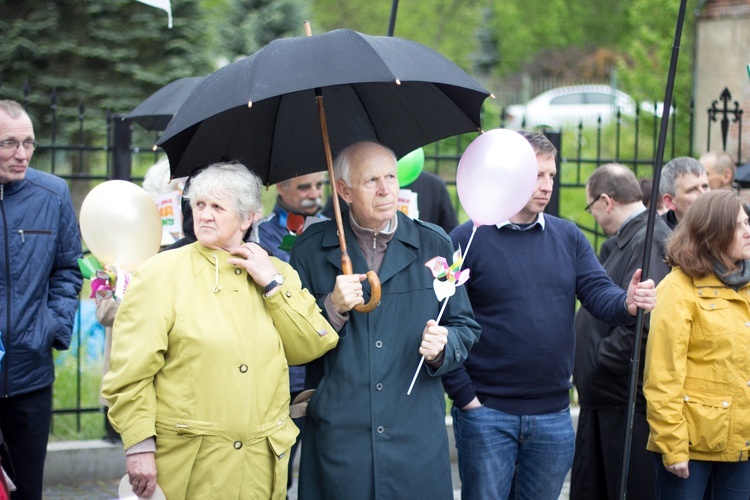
point(277, 280)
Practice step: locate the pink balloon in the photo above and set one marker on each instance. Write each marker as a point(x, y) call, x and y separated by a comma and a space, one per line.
point(496, 176)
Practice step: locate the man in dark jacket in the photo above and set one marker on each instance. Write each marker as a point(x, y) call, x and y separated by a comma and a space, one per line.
point(603, 352)
point(39, 283)
point(365, 437)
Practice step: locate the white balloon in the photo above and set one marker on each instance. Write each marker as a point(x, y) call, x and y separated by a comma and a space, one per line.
point(120, 224)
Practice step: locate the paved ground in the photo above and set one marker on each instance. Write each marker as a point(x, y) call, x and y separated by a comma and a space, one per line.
point(107, 490)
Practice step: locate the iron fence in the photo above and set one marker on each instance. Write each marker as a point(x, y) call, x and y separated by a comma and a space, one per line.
point(86, 147)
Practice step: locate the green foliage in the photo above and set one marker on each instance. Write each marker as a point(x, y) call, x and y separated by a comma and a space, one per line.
point(255, 23)
point(110, 54)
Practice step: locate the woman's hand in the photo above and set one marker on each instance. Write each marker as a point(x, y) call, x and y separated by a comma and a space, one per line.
point(256, 261)
point(679, 469)
point(141, 469)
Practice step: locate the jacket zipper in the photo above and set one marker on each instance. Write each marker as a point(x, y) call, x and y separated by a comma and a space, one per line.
point(24, 232)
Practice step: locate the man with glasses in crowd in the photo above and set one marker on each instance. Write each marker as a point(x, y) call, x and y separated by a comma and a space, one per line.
point(603, 352)
point(39, 283)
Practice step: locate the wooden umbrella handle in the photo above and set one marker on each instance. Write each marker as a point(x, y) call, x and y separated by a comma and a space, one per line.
point(346, 262)
point(372, 278)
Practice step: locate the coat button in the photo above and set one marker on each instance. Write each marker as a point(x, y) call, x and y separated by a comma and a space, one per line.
point(725, 404)
point(238, 271)
point(288, 295)
point(379, 386)
point(716, 293)
point(378, 344)
point(747, 323)
point(687, 398)
point(713, 306)
point(381, 429)
point(243, 368)
point(700, 293)
point(237, 445)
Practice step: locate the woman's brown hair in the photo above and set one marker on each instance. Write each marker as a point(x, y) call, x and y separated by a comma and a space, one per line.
point(706, 234)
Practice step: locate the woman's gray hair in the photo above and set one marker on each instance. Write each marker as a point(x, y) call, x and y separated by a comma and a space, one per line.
point(228, 181)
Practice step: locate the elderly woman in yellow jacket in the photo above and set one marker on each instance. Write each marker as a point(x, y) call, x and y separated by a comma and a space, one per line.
point(697, 373)
point(198, 386)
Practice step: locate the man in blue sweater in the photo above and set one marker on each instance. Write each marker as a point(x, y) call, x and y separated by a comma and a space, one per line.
point(511, 399)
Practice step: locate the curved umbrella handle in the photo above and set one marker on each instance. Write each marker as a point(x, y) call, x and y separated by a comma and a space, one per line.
point(372, 278)
point(374, 281)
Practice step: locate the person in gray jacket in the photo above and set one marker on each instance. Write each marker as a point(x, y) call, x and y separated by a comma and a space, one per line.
point(39, 281)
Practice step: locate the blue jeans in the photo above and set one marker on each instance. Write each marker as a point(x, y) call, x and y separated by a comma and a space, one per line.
point(501, 455)
point(728, 481)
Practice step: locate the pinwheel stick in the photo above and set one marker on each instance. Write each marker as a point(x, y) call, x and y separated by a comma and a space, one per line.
point(440, 315)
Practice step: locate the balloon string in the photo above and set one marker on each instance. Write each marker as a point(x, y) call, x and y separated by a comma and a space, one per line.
point(471, 238)
point(442, 310)
point(421, 361)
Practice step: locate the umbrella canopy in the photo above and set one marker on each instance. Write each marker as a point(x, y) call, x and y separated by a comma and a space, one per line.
point(262, 110)
point(155, 112)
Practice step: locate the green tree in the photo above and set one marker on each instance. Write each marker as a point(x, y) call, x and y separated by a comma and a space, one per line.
point(110, 54)
point(255, 23)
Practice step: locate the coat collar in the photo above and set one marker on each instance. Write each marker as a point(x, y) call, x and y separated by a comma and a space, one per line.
point(401, 251)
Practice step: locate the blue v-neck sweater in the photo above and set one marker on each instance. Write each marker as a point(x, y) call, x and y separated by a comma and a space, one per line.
point(523, 287)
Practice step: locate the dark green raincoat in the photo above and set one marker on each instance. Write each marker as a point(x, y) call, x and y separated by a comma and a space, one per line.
point(364, 437)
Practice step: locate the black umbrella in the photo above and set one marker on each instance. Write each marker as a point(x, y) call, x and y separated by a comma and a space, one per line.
point(267, 111)
point(155, 112)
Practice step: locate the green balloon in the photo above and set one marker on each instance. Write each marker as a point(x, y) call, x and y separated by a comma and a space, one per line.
point(409, 167)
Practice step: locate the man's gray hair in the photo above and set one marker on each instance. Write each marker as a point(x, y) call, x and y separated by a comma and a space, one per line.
point(676, 168)
point(228, 181)
point(343, 162)
point(12, 108)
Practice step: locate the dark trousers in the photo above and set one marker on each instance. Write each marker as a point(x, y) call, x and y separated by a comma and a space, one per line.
point(598, 456)
point(25, 423)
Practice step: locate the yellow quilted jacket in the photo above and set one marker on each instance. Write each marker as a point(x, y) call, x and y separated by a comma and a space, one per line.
point(697, 372)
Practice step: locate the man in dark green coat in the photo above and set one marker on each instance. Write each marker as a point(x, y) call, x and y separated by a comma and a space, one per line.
point(365, 438)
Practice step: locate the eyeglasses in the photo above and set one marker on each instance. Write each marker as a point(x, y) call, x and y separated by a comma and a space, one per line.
point(11, 145)
point(588, 207)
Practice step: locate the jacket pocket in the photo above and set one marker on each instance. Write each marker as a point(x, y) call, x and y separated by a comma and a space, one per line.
point(26, 233)
point(715, 317)
point(707, 420)
point(280, 443)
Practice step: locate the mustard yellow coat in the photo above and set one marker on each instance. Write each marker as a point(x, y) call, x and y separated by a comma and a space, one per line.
point(200, 362)
point(697, 373)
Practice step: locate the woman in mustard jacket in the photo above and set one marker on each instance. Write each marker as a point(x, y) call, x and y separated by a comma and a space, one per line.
point(198, 386)
point(697, 373)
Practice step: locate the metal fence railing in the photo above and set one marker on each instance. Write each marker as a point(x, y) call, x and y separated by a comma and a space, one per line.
point(86, 147)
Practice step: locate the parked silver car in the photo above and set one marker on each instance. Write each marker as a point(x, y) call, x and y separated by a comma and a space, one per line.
point(566, 106)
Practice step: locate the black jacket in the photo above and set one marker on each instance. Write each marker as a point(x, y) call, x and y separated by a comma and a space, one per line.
point(603, 352)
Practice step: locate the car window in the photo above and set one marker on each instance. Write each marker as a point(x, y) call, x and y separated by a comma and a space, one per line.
point(567, 100)
point(583, 98)
point(599, 98)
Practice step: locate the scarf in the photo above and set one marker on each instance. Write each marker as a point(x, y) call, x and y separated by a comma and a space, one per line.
point(735, 280)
